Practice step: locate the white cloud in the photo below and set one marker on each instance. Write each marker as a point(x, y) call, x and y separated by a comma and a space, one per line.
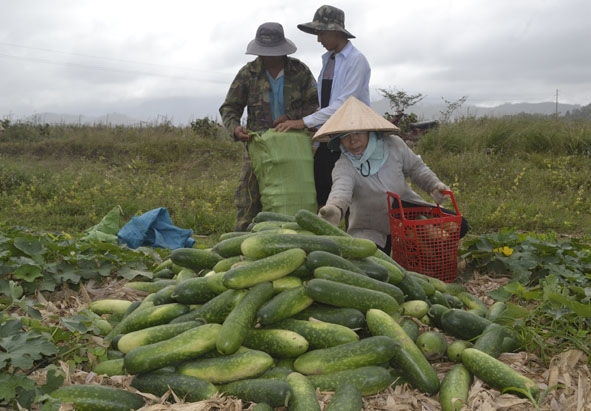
point(86, 55)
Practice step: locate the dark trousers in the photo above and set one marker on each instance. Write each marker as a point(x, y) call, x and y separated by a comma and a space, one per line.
point(324, 160)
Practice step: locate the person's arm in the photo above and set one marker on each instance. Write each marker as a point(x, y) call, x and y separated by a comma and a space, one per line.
point(341, 193)
point(290, 125)
point(233, 107)
point(419, 173)
point(355, 84)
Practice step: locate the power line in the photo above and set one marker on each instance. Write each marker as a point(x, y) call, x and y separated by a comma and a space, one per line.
point(98, 57)
point(112, 69)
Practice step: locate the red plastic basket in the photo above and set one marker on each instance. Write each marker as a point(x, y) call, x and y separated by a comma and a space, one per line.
point(425, 239)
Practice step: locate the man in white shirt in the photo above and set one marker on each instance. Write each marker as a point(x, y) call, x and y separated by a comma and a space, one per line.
point(345, 72)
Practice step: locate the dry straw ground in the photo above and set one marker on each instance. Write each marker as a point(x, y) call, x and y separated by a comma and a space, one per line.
point(568, 376)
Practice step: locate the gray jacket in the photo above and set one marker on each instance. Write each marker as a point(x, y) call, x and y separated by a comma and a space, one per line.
point(366, 196)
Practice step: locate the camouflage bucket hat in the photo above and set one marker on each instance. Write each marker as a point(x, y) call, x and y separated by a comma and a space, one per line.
point(270, 41)
point(326, 18)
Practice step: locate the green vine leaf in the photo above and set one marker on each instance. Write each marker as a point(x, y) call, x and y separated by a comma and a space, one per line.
point(582, 310)
point(520, 290)
point(28, 272)
point(10, 384)
point(29, 246)
point(23, 349)
point(9, 328)
point(54, 379)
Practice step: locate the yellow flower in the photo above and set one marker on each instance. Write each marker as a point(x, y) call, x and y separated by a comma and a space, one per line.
point(506, 251)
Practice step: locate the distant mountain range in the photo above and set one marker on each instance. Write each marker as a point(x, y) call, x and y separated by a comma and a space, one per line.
point(180, 111)
point(435, 111)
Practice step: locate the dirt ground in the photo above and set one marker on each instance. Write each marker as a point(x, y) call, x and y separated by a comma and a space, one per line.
point(566, 383)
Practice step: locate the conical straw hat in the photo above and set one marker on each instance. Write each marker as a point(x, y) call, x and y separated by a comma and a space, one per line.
point(353, 115)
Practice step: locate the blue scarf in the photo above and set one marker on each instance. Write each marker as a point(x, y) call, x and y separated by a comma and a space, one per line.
point(373, 157)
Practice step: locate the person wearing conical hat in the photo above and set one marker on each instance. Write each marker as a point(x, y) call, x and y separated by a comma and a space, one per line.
point(273, 87)
point(372, 162)
point(345, 72)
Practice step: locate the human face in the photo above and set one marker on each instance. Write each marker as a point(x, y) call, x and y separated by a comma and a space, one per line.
point(331, 40)
point(272, 61)
point(355, 143)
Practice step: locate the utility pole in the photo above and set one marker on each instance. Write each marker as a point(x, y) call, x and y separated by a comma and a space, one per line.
point(556, 103)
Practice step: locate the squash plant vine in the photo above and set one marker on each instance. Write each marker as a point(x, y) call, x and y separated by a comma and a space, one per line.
point(551, 277)
point(35, 263)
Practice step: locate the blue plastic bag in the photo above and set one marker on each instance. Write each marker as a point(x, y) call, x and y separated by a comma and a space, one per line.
point(155, 229)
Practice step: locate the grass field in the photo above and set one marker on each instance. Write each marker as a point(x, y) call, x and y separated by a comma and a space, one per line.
point(521, 173)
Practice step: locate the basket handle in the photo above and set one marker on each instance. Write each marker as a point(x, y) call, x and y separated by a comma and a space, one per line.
point(397, 198)
point(453, 200)
point(402, 217)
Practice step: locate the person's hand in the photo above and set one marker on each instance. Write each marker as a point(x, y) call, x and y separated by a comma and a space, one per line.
point(241, 134)
point(280, 119)
point(330, 213)
point(290, 125)
point(437, 193)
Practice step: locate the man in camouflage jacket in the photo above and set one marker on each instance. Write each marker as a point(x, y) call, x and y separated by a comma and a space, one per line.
point(257, 86)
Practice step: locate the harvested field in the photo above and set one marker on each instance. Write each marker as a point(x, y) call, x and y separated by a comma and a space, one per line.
point(566, 383)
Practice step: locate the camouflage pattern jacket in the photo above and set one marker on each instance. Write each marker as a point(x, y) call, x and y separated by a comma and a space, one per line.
point(251, 89)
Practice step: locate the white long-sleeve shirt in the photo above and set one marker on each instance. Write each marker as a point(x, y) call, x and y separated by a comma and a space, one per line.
point(366, 196)
point(351, 78)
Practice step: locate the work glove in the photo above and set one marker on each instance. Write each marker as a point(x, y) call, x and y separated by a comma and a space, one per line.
point(330, 213)
point(437, 193)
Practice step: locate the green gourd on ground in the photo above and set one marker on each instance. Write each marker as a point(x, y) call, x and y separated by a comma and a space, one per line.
point(182, 347)
point(319, 334)
point(407, 355)
point(265, 269)
point(373, 350)
point(158, 383)
point(345, 295)
point(303, 396)
point(455, 387)
point(242, 318)
point(91, 397)
point(226, 368)
point(499, 375)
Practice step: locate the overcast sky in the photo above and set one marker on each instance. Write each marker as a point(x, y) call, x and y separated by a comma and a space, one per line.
point(95, 57)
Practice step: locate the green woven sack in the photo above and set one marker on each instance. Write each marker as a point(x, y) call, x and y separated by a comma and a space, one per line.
point(284, 166)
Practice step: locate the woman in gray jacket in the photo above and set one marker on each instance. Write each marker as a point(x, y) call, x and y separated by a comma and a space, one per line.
point(372, 162)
